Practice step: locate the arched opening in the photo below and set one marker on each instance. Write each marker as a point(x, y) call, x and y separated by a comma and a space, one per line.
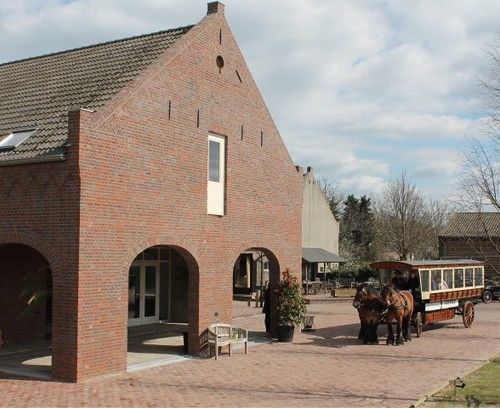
point(26, 310)
point(159, 298)
point(256, 271)
point(250, 272)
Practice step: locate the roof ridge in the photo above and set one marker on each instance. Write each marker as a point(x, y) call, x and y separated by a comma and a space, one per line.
point(187, 27)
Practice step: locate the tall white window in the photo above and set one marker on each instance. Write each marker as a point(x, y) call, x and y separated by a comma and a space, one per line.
point(216, 173)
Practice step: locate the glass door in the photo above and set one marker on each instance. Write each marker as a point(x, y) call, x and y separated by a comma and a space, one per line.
point(134, 293)
point(150, 304)
point(143, 296)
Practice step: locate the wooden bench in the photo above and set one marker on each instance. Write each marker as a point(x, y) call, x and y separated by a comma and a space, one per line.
point(221, 335)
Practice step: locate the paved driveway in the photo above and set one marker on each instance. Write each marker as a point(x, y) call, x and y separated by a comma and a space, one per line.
point(326, 368)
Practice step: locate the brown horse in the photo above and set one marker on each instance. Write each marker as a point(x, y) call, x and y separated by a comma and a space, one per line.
point(369, 304)
point(400, 307)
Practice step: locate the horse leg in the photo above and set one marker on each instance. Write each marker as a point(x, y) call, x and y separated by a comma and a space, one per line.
point(390, 337)
point(361, 334)
point(366, 335)
point(374, 338)
point(399, 337)
point(408, 328)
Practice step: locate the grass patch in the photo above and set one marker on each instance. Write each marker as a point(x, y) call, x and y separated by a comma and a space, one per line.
point(482, 385)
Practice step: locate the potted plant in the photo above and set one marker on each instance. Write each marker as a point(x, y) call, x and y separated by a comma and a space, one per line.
point(291, 306)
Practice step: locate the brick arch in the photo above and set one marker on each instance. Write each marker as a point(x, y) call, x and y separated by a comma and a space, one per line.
point(33, 241)
point(274, 275)
point(184, 246)
point(188, 251)
point(273, 258)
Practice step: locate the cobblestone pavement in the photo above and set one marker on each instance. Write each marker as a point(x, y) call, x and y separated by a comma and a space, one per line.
point(326, 368)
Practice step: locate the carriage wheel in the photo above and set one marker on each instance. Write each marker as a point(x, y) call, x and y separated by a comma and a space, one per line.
point(418, 323)
point(468, 314)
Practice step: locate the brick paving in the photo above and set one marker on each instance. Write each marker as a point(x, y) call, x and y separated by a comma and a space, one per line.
point(326, 368)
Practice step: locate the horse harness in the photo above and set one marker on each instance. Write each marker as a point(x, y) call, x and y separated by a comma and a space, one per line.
point(403, 305)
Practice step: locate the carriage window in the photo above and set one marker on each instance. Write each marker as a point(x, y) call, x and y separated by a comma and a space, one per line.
point(459, 278)
point(469, 277)
point(424, 280)
point(436, 281)
point(448, 277)
point(478, 276)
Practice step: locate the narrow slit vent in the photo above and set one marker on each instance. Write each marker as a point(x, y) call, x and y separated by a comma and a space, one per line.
point(239, 77)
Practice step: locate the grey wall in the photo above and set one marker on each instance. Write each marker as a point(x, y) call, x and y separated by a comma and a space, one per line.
point(320, 229)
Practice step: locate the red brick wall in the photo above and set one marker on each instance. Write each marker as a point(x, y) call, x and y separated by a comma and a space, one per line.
point(144, 183)
point(39, 207)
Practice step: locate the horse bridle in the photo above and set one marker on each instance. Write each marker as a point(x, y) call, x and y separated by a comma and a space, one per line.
point(364, 291)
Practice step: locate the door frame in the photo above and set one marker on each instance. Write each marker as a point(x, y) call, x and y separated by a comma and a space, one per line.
point(142, 320)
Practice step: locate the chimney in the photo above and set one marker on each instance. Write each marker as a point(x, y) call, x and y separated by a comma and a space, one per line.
point(215, 7)
point(309, 169)
point(299, 169)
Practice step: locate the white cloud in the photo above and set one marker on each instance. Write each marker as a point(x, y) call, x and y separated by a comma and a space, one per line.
point(362, 185)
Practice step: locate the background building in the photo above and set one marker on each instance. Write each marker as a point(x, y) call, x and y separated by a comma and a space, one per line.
point(320, 230)
point(473, 235)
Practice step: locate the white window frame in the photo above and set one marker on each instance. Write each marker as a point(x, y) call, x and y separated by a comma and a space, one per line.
point(216, 189)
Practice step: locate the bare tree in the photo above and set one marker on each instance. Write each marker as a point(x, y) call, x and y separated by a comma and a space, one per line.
point(480, 177)
point(334, 195)
point(403, 220)
point(436, 218)
point(480, 180)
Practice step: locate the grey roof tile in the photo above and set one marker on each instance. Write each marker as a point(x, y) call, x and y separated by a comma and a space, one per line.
point(40, 91)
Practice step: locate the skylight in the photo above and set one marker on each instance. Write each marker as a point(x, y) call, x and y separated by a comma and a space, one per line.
point(15, 139)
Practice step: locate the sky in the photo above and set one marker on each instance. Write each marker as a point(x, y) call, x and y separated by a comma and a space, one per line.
point(360, 90)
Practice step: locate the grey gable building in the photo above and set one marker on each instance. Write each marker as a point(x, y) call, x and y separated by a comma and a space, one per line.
point(320, 230)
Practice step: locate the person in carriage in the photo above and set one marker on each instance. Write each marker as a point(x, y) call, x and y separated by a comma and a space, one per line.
point(398, 281)
point(413, 282)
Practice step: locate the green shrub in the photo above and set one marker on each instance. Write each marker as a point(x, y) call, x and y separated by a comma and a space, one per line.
point(291, 305)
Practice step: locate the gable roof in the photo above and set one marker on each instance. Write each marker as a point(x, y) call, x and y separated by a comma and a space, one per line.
point(472, 224)
point(39, 92)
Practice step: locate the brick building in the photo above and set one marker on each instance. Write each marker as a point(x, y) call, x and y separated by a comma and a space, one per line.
point(473, 235)
point(128, 180)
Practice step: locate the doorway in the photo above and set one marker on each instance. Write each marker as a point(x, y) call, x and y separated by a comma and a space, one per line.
point(144, 284)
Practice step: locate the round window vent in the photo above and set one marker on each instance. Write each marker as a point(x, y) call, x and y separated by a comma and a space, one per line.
point(219, 61)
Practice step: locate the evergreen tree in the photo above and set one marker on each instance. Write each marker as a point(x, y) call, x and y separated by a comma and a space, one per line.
point(357, 230)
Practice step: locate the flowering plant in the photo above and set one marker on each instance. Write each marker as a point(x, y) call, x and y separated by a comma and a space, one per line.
point(291, 305)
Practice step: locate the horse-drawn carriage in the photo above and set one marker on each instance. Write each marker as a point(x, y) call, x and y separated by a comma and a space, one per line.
point(441, 289)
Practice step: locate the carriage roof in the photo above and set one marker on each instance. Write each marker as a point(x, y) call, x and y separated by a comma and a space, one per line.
point(424, 264)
